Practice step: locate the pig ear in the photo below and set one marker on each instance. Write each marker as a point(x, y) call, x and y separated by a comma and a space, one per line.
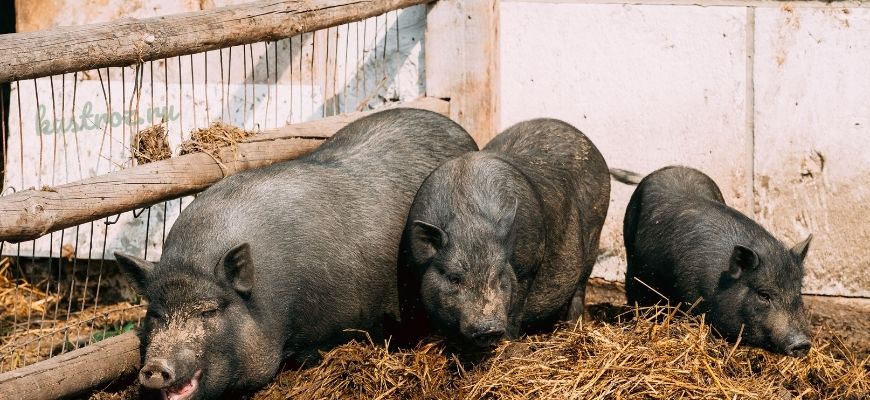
point(742, 258)
point(237, 268)
point(137, 271)
point(426, 240)
point(800, 250)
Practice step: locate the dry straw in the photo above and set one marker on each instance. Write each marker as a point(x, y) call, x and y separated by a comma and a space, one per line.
point(652, 356)
point(35, 327)
point(151, 144)
point(18, 297)
point(210, 140)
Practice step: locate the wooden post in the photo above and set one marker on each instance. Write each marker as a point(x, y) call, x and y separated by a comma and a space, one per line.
point(30, 214)
point(462, 62)
point(130, 41)
point(75, 372)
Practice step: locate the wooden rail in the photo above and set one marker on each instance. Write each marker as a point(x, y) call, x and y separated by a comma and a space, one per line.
point(33, 213)
point(75, 372)
point(131, 41)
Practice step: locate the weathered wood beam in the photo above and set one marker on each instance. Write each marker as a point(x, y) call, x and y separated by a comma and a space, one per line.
point(29, 214)
point(130, 41)
point(33, 213)
point(75, 372)
point(462, 54)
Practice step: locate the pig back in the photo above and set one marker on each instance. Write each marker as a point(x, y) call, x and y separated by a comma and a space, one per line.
point(679, 180)
point(562, 162)
point(571, 178)
point(324, 229)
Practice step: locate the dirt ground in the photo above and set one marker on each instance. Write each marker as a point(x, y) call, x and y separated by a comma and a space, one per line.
point(846, 320)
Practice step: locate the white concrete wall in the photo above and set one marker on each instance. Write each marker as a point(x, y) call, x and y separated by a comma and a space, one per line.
point(769, 101)
point(812, 138)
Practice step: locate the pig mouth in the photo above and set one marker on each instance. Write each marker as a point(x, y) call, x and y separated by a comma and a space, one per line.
point(182, 390)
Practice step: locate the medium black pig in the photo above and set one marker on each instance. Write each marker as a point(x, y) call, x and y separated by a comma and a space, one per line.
point(685, 244)
point(502, 241)
point(277, 262)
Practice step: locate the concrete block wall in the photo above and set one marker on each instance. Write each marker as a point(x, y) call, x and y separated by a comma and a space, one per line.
point(768, 98)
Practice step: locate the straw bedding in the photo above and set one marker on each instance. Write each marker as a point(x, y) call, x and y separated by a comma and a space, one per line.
point(644, 354)
point(652, 356)
point(616, 353)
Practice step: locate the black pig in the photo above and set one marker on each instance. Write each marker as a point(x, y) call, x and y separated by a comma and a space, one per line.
point(685, 244)
point(277, 262)
point(502, 241)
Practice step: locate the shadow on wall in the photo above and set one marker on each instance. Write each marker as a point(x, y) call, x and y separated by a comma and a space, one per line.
point(376, 74)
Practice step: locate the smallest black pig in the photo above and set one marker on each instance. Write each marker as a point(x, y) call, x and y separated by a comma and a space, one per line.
point(685, 244)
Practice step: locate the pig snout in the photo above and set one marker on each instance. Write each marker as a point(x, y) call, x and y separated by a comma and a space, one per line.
point(485, 333)
point(797, 345)
point(165, 372)
point(157, 374)
point(790, 334)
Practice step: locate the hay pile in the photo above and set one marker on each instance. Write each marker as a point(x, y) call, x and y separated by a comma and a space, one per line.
point(37, 325)
point(652, 356)
point(151, 144)
point(209, 140)
point(364, 370)
point(18, 298)
point(52, 334)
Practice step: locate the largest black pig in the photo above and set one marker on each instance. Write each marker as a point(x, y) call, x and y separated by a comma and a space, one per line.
point(277, 262)
point(502, 241)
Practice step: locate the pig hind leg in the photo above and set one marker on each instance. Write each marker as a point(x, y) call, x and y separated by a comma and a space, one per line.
point(578, 301)
point(648, 289)
point(575, 310)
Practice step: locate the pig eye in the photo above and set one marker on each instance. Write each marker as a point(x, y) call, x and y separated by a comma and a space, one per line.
point(157, 316)
point(210, 313)
point(454, 279)
point(763, 296)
